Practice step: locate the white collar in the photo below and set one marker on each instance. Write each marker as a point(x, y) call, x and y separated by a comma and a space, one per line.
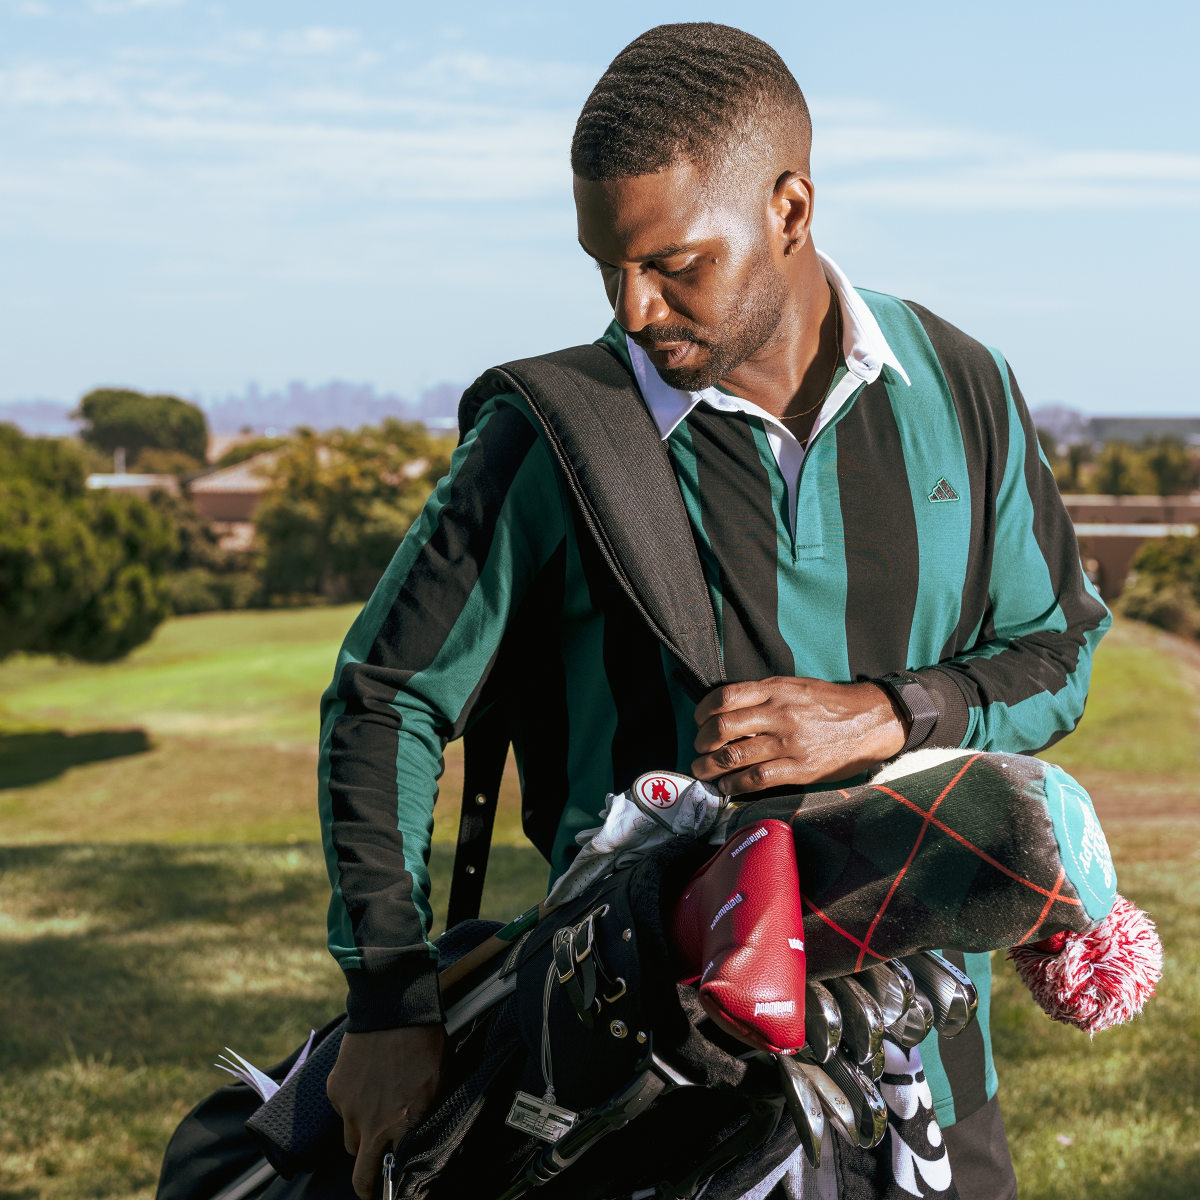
point(865, 348)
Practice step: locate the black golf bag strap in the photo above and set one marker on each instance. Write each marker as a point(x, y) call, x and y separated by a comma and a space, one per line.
point(485, 749)
point(619, 473)
point(621, 479)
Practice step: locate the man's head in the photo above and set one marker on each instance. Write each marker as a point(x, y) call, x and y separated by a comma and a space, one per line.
point(693, 194)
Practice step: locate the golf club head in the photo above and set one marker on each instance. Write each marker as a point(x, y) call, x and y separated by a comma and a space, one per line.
point(862, 1022)
point(804, 1106)
point(874, 1069)
point(822, 1021)
point(949, 991)
point(866, 1104)
point(833, 1100)
point(915, 1025)
point(891, 986)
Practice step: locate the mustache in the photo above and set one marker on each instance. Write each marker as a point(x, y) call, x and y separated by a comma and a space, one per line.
point(658, 334)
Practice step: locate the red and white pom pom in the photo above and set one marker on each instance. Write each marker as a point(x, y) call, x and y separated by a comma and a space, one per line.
point(1097, 979)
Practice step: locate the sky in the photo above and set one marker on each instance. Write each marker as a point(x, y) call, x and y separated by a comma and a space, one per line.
point(194, 196)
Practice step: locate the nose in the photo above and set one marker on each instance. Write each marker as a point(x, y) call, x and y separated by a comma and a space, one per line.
point(638, 300)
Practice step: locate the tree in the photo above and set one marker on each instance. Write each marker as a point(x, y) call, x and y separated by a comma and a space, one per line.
point(122, 418)
point(81, 573)
point(1167, 460)
point(339, 505)
point(1121, 471)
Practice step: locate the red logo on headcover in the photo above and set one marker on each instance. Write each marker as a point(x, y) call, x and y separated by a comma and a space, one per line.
point(660, 792)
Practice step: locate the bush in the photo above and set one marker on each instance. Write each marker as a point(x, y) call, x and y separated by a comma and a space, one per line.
point(199, 589)
point(1164, 585)
point(1167, 606)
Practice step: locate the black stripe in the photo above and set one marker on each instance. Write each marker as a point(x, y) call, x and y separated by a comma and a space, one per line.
point(645, 736)
point(364, 739)
point(965, 362)
point(532, 671)
point(880, 529)
point(963, 1059)
point(740, 524)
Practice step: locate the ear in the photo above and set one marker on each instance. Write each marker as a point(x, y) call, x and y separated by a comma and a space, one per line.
point(792, 207)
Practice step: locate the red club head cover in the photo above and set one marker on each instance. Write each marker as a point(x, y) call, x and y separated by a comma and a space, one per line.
point(1096, 979)
point(739, 930)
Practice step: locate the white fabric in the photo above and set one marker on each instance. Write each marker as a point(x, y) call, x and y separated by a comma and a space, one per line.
point(866, 353)
point(630, 829)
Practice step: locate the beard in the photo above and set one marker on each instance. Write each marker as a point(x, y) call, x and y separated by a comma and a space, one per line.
point(743, 333)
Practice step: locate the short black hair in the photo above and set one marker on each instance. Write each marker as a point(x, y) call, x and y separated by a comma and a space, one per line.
point(696, 92)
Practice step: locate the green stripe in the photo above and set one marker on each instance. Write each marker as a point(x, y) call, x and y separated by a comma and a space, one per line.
point(979, 968)
point(813, 579)
point(932, 443)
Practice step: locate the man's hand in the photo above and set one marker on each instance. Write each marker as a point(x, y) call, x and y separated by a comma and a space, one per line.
point(781, 730)
point(382, 1085)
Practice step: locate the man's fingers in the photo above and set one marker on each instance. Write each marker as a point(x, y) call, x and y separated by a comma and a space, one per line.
point(731, 725)
point(738, 755)
point(733, 696)
point(368, 1166)
point(778, 772)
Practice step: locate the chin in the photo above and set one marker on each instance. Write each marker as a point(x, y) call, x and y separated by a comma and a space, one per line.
point(691, 379)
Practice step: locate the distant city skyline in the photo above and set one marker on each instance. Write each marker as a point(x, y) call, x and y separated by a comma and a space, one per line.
point(194, 195)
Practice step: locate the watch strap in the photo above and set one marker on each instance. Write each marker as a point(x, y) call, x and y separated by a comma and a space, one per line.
point(915, 702)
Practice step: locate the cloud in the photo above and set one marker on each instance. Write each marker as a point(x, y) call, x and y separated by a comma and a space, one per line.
point(863, 155)
point(111, 7)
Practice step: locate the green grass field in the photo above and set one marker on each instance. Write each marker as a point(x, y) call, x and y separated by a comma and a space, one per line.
point(162, 896)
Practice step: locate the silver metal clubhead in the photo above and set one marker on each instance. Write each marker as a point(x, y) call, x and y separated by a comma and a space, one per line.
point(915, 1025)
point(862, 1022)
point(822, 1021)
point(870, 1112)
point(804, 1105)
point(874, 1069)
point(833, 1099)
point(950, 992)
point(891, 988)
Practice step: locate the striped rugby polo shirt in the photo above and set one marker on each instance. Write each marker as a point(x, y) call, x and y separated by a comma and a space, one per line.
point(920, 530)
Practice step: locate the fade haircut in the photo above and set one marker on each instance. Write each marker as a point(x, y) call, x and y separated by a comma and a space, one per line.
point(696, 92)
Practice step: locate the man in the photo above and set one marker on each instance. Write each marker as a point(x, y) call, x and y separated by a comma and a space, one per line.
point(865, 490)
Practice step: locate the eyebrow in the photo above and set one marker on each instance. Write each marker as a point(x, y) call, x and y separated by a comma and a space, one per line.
point(663, 252)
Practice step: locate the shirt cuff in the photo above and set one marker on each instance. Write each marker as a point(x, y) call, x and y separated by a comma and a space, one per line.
point(392, 999)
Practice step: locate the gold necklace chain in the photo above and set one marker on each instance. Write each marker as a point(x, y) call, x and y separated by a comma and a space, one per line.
point(837, 357)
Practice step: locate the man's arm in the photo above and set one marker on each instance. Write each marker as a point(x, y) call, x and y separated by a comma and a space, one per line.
point(1019, 687)
point(405, 683)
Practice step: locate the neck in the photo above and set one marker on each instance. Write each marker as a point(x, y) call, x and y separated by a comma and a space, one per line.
point(791, 373)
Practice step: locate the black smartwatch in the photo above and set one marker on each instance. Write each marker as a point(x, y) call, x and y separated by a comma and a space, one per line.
point(912, 699)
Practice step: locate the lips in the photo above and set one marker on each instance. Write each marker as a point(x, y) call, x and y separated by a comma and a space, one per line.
point(668, 354)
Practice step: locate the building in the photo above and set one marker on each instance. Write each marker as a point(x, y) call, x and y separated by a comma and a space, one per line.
point(1111, 530)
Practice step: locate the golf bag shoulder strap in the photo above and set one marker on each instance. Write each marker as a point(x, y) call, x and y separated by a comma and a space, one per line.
point(619, 474)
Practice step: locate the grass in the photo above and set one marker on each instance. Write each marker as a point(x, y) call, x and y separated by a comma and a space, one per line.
point(162, 895)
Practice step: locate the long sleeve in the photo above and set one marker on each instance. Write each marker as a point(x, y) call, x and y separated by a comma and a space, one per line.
point(1022, 683)
point(406, 678)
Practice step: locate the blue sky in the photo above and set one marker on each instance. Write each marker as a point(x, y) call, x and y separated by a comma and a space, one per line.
point(196, 195)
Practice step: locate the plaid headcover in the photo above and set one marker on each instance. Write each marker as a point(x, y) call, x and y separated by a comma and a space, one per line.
point(973, 853)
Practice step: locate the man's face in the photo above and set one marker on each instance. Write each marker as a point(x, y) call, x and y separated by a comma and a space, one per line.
point(687, 267)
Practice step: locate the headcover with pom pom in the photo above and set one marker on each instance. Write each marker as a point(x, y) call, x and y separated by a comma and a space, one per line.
point(1096, 979)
